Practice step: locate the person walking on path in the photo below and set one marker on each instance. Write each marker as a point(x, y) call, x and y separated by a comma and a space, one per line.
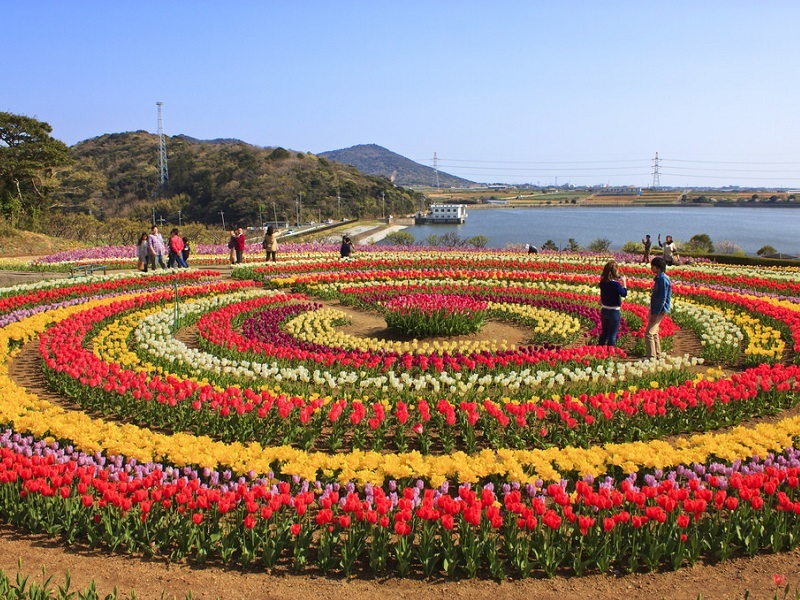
point(142, 252)
point(156, 248)
point(240, 243)
point(660, 301)
point(270, 244)
point(670, 250)
point(611, 294)
point(647, 243)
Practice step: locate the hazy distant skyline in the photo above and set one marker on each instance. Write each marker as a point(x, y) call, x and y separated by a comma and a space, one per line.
point(585, 92)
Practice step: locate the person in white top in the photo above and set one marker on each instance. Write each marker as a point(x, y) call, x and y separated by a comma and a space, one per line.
point(670, 251)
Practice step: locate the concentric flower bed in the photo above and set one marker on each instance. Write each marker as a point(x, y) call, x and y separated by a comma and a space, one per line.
point(252, 422)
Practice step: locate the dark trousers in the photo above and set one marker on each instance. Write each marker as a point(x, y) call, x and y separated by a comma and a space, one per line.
point(609, 322)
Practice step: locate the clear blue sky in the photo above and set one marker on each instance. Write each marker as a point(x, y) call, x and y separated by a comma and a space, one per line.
point(515, 91)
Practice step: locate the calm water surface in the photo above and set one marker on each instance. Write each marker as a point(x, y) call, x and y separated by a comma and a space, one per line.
point(749, 228)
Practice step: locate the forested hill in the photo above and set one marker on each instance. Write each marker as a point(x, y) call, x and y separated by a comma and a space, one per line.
point(118, 175)
point(376, 160)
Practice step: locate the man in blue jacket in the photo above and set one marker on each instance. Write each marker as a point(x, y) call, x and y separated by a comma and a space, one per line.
point(660, 300)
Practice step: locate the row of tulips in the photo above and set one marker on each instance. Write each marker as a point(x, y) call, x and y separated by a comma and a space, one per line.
point(244, 413)
point(220, 329)
point(647, 522)
point(154, 343)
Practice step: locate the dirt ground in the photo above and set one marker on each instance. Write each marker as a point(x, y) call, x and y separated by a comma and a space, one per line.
point(158, 579)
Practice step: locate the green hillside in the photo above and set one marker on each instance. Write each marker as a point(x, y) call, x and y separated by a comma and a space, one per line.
point(117, 175)
point(376, 160)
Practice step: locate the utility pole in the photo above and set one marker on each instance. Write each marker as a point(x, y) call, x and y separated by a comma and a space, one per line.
point(300, 208)
point(297, 213)
point(180, 222)
point(339, 201)
point(275, 214)
point(383, 210)
point(436, 169)
point(260, 218)
point(222, 214)
point(154, 216)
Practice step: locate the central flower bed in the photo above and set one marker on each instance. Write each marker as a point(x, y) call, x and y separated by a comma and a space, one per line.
point(428, 315)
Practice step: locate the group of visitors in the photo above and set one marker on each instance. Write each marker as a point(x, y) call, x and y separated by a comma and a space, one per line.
point(613, 288)
point(236, 245)
point(668, 248)
point(151, 249)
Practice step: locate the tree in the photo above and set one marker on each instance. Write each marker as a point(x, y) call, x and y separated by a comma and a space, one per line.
point(478, 241)
point(701, 242)
point(766, 250)
point(28, 160)
point(400, 238)
point(549, 245)
point(574, 246)
point(600, 245)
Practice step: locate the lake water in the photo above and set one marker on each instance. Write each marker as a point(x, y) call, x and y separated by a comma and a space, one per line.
point(748, 227)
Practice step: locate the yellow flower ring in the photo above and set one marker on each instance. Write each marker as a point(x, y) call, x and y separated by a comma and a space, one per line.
point(523, 465)
point(210, 406)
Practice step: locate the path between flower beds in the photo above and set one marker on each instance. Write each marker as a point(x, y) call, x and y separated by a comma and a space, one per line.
point(156, 579)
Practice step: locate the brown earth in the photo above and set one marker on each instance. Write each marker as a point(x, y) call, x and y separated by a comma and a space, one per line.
point(150, 578)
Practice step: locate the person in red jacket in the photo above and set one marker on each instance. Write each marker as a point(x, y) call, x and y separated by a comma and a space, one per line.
point(176, 250)
point(239, 245)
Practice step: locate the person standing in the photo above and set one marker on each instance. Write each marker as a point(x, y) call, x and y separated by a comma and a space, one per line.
point(660, 301)
point(232, 246)
point(611, 294)
point(186, 251)
point(175, 250)
point(270, 244)
point(647, 243)
point(670, 250)
point(142, 252)
point(156, 248)
point(346, 248)
point(240, 243)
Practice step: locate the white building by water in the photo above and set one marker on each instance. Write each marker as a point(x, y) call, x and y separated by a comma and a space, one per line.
point(444, 213)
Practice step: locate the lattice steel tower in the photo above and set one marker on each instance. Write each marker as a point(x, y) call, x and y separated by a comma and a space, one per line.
point(656, 172)
point(162, 150)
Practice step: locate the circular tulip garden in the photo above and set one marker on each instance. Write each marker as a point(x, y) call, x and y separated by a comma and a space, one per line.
point(251, 422)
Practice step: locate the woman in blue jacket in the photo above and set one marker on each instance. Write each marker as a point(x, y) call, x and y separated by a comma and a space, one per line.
point(660, 300)
point(611, 294)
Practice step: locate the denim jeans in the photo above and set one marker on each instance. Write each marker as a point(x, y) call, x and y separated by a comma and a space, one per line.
point(609, 321)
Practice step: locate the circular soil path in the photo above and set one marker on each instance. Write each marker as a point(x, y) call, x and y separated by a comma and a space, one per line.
point(151, 578)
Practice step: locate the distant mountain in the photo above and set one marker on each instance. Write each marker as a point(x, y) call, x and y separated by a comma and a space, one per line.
point(372, 159)
point(116, 175)
point(224, 141)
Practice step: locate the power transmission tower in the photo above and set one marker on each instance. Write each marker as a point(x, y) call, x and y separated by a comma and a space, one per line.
point(162, 150)
point(656, 172)
point(436, 169)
